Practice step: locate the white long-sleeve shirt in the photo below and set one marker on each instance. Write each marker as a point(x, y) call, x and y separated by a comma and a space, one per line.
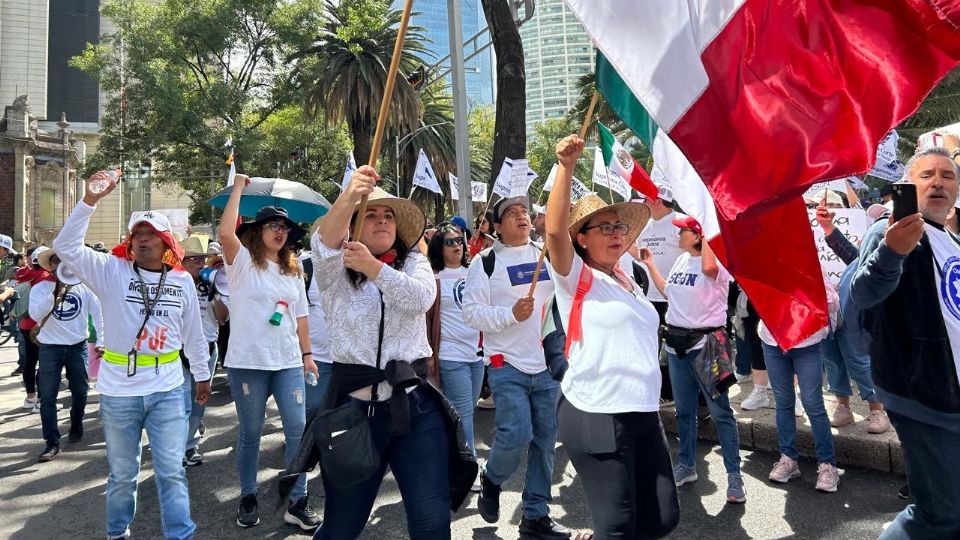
point(67, 324)
point(174, 325)
point(488, 305)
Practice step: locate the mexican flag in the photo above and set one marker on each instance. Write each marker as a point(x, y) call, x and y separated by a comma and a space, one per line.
point(761, 99)
point(620, 161)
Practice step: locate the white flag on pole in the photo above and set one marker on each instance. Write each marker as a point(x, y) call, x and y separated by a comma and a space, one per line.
point(351, 166)
point(886, 165)
point(424, 176)
point(454, 186)
point(607, 177)
point(507, 185)
point(577, 188)
point(479, 190)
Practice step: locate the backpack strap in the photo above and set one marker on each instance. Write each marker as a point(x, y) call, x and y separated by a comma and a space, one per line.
point(575, 326)
point(489, 260)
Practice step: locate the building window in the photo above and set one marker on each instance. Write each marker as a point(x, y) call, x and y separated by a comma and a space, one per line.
point(48, 209)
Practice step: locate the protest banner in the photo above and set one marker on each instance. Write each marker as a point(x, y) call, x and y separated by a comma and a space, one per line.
point(852, 223)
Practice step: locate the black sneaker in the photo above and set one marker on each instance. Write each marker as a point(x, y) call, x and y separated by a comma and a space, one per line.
point(247, 513)
point(17, 372)
point(543, 528)
point(192, 458)
point(301, 515)
point(75, 435)
point(489, 501)
point(904, 492)
point(50, 452)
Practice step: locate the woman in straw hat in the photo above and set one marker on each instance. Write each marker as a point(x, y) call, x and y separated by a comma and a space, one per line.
point(380, 285)
point(269, 349)
point(609, 409)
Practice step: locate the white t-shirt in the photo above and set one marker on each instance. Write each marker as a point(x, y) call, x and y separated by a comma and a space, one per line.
point(615, 368)
point(67, 324)
point(946, 254)
point(319, 337)
point(254, 293)
point(694, 300)
point(174, 324)
point(458, 342)
point(211, 328)
point(661, 237)
point(488, 305)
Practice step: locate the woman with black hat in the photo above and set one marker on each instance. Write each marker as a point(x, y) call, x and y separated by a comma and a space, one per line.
point(381, 287)
point(609, 410)
point(269, 349)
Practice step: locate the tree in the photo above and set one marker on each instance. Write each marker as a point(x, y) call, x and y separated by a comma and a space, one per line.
point(542, 155)
point(940, 108)
point(343, 71)
point(510, 138)
point(186, 76)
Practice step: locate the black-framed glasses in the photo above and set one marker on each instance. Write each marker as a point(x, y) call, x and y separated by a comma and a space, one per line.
point(195, 259)
point(607, 229)
point(451, 242)
point(277, 226)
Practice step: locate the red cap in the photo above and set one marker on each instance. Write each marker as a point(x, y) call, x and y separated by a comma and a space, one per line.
point(688, 222)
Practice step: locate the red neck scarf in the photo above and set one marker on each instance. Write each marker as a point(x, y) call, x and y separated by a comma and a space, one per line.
point(388, 257)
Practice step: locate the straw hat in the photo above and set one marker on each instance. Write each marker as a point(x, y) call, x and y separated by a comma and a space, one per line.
point(634, 214)
point(409, 218)
point(192, 247)
point(43, 259)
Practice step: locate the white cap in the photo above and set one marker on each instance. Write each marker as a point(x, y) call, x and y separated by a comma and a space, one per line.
point(36, 253)
point(6, 242)
point(664, 192)
point(158, 221)
point(539, 209)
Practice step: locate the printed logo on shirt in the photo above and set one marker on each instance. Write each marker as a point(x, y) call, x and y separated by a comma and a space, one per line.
point(683, 279)
point(70, 308)
point(950, 286)
point(458, 292)
point(171, 299)
point(522, 274)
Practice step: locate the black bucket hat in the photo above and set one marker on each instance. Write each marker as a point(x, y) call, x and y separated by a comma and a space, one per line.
point(274, 213)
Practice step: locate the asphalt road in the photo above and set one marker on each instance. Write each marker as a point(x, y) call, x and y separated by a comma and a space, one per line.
point(65, 498)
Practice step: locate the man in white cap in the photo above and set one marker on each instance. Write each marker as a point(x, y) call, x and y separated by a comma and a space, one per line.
point(151, 311)
point(61, 312)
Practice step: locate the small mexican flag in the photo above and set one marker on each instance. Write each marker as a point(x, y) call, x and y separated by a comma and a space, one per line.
point(621, 162)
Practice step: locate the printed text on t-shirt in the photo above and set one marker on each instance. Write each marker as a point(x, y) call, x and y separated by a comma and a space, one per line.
point(683, 279)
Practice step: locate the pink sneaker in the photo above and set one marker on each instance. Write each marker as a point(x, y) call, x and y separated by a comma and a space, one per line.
point(878, 422)
point(828, 478)
point(784, 470)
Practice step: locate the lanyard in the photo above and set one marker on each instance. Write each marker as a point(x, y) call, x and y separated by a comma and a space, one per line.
point(148, 305)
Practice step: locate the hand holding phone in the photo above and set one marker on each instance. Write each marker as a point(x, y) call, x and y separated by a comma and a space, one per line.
point(904, 200)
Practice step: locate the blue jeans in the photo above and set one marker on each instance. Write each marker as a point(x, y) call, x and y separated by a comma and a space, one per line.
point(419, 461)
point(124, 418)
point(845, 360)
point(195, 410)
point(933, 471)
point(53, 359)
point(526, 421)
point(461, 384)
point(686, 386)
point(251, 388)
point(807, 365)
point(317, 394)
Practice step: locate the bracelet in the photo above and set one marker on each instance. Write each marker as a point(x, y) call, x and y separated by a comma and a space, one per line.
point(306, 354)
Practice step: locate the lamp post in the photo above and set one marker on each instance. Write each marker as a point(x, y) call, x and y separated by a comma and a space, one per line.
point(405, 140)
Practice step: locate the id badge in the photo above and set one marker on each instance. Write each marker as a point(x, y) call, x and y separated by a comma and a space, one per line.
point(132, 363)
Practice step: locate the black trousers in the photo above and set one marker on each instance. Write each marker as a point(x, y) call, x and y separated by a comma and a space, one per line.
point(624, 465)
point(666, 390)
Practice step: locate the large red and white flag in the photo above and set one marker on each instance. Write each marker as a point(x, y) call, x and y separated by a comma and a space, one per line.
point(764, 97)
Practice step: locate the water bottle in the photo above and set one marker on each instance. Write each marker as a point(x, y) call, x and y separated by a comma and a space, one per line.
point(101, 184)
point(311, 378)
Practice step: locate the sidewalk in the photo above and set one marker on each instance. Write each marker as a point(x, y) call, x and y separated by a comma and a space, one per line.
point(854, 446)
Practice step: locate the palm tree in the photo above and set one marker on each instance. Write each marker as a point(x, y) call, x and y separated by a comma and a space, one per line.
point(940, 108)
point(344, 71)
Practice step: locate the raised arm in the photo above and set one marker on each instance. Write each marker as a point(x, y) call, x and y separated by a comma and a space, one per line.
point(335, 226)
point(92, 267)
point(228, 221)
point(711, 268)
point(646, 257)
point(558, 241)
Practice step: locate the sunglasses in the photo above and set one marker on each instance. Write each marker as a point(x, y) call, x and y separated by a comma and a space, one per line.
point(277, 226)
point(607, 229)
point(195, 259)
point(450, 242)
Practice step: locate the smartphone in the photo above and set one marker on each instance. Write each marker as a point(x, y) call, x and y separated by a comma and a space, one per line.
point(904, 200)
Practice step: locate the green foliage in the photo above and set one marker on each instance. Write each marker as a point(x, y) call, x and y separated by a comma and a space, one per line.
point(940, 108)
point(542, 156)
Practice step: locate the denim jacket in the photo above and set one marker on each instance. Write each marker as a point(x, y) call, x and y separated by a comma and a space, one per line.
point(912, 361)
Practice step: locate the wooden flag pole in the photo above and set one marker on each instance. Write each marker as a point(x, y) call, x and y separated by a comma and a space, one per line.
point(385, 107)
point(583, 133)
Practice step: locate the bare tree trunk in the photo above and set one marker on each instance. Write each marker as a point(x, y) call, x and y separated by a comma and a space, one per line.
point(361, 133)
point(510, 128)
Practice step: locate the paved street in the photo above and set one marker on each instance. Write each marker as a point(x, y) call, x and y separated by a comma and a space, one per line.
point(65, 498)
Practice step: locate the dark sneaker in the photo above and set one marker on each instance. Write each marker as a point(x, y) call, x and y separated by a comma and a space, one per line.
point(75, 435)
point(489, 501)
point(202, 428)
point(301, 515)
point(192, 458)
point(543, 527)
point(904, 492)
point(50, 452)
point(247, 513)
point(17, 372)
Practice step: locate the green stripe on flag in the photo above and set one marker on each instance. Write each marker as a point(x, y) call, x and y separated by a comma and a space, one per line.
point(607, 142)
point(623, 102)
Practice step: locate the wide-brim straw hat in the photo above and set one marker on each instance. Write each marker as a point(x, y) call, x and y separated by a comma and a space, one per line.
point(634, 214)
point(43, 259)
point(410, 220)
point(192, 247)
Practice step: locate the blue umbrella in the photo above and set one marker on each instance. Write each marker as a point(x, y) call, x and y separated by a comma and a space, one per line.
point(303, 204)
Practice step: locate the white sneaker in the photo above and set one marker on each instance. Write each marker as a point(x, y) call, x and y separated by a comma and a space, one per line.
point(486, 403)
point(29, 403)
point(757, 399)
point(36, 408)
point(743, 378)
point(828, 478)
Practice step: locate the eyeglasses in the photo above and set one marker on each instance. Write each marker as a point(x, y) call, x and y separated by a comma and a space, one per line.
point(607, 229)
point(277, 226)
point(450, 242)
point(195, 259)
